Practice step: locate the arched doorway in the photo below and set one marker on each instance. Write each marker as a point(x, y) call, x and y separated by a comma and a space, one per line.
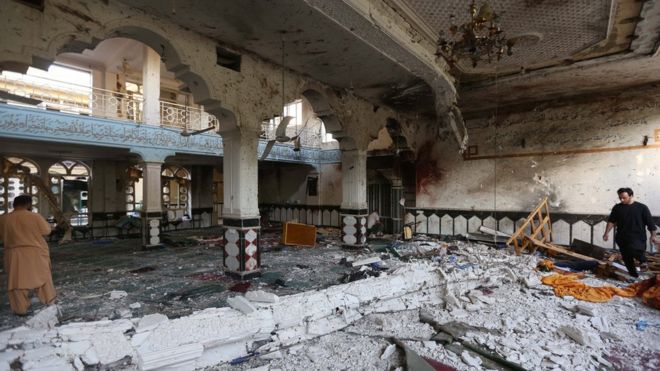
point(69, 183)
point(15, 180)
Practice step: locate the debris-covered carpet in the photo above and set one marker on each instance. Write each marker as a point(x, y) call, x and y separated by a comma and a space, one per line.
point(430, 304)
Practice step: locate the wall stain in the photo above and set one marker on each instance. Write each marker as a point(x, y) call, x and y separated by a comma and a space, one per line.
point(428, 173)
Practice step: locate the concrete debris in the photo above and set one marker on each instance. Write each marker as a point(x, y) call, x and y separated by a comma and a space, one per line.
point(485, 300)
point(389, 350)
point(117, 294)
point(241, 304)
point(135, 306)
point(150, 321)
point(45, 319)
point(575, 334)
point(371, 260)
point(261, 296)
point(470, 360)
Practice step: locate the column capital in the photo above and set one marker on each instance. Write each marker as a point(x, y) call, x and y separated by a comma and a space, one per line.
point(152, 154)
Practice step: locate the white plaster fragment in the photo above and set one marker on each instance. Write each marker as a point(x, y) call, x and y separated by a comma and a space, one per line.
point(171, 357)
point(389, 350)
point(118, 294)
point(45, 319)
point(262, 296)
point(111, 347)
point(470, 360)
point(241, 304)
point(150, 321)
point(574, 333)
point(272, 355)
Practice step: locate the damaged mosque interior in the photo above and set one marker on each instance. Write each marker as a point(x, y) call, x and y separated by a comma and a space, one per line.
point(332, 184)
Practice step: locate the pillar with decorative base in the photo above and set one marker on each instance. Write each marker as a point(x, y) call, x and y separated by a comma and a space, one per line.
point(354, 207)
point(240, 213)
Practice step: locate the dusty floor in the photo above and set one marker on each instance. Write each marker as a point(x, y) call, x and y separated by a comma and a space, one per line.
point(519, 319)
point(174, 280)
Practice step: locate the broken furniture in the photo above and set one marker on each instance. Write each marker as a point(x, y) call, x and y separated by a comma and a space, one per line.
point(298, 234)
point(536, 232)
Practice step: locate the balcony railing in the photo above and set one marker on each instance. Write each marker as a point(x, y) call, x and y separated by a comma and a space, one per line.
point(84, 100)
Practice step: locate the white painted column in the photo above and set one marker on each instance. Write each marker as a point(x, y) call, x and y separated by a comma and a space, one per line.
point(354, 206)
point(151, 86)
point(240, 213)
point(152, 210)
point(240, 170)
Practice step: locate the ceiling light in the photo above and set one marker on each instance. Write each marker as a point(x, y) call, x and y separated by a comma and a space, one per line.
point(479, 40)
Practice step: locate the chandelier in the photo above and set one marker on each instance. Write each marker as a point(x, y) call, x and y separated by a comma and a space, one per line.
point(480, 39)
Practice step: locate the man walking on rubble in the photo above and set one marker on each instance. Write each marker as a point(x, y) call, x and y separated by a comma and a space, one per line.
point(630, 218)
point(27, 260)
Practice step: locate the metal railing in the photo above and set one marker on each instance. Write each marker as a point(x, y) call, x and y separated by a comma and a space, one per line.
point(310, 134)
point(180, 116)
point(85, 100)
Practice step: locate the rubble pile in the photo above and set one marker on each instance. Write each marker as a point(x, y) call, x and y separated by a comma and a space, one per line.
point(466, 306)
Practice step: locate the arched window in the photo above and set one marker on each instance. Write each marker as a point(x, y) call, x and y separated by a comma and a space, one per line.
point(176, 192)
point(69, 184)
point(15, 180)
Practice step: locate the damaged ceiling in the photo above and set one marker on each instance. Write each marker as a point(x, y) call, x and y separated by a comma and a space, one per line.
point(563, 48)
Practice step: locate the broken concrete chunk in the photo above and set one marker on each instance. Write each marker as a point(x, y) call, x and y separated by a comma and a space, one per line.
point(118, 294)
point(241, 304)
point(389, 350)
point(78, 364)
point(150, 321)
point(373, 259)
point(262, 296)
point(135, 305)
point(171, 358)
point(532, 281)
point(583, 309)
point(470, 360)
point(574, 333)
point(273, 355)
point(111, 347)
point(45, 319)
point(600, 324)
point(452, 302)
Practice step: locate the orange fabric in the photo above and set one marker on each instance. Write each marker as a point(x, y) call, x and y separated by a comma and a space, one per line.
point(568, 285)
point(19, 300)
point(545, 265)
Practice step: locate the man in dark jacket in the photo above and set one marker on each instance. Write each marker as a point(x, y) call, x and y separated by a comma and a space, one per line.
point(630, 218)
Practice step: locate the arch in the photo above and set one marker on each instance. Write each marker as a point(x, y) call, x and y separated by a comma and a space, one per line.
point(69, 184)
point(136, 29)
point(321, 107)
point(176, 192)
point(16, 179)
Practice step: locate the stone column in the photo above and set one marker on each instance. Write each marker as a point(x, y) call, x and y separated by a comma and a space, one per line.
point(152, 211)
point(151, 87)
point(240, 212)
point(397, 209)
point(354, 206)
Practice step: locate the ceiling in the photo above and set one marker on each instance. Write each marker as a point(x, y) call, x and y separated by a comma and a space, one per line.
point(564, 47)
point(313, 44)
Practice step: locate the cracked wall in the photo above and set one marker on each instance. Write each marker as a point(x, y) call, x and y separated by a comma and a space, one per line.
point(575, 153)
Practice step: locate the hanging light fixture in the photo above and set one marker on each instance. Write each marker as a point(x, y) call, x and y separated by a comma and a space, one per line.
point(480, 39)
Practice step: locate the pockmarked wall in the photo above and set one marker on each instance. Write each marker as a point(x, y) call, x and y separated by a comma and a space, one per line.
point(287, 184)
point(576, 153)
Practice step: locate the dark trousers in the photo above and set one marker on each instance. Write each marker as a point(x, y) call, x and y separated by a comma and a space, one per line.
point(629, 253)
